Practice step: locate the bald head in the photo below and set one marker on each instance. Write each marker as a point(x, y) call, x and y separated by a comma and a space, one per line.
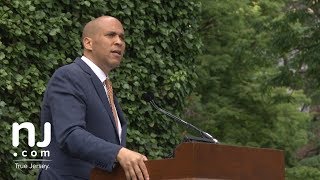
point(92, 27)
point(103, 42)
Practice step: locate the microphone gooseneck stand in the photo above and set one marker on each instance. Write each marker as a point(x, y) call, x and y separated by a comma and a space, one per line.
point(206, 137)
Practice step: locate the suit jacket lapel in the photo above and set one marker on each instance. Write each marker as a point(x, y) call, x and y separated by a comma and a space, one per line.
point(100, 90)
point(119, 111)
point(122, 120)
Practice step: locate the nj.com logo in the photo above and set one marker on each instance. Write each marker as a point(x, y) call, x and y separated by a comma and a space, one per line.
point(31, 139)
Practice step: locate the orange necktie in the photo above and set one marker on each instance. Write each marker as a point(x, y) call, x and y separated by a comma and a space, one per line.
point(110, 98)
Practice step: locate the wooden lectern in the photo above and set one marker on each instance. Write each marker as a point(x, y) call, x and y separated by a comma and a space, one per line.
point(210, 161)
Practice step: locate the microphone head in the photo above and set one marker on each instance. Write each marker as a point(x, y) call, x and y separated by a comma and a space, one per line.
point(148, 96)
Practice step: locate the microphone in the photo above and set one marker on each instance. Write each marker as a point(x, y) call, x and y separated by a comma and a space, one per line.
point(149, 97)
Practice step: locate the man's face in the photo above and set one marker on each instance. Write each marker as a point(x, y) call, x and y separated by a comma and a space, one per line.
point(108, 43)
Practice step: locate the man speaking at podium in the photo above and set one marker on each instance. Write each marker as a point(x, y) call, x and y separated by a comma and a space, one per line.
point(88, 125)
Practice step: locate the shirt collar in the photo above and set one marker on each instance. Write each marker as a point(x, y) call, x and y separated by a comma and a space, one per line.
point(101, 75)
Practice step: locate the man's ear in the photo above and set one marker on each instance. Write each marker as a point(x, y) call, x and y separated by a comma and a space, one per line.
point(87, 43)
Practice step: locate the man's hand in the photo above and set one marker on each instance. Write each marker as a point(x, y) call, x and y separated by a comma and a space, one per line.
point(133, 165)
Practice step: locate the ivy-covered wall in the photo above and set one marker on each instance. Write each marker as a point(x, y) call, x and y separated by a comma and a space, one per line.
point(38, 36)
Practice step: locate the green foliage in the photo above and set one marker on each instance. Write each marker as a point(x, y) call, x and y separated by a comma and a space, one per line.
point(235, 97)
point(41, 35)
point(258, 76)
point(313, 161)
point(302, 172)
point(296, 40)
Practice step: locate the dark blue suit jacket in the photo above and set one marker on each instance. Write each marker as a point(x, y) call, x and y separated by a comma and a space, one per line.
point(83, 128)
